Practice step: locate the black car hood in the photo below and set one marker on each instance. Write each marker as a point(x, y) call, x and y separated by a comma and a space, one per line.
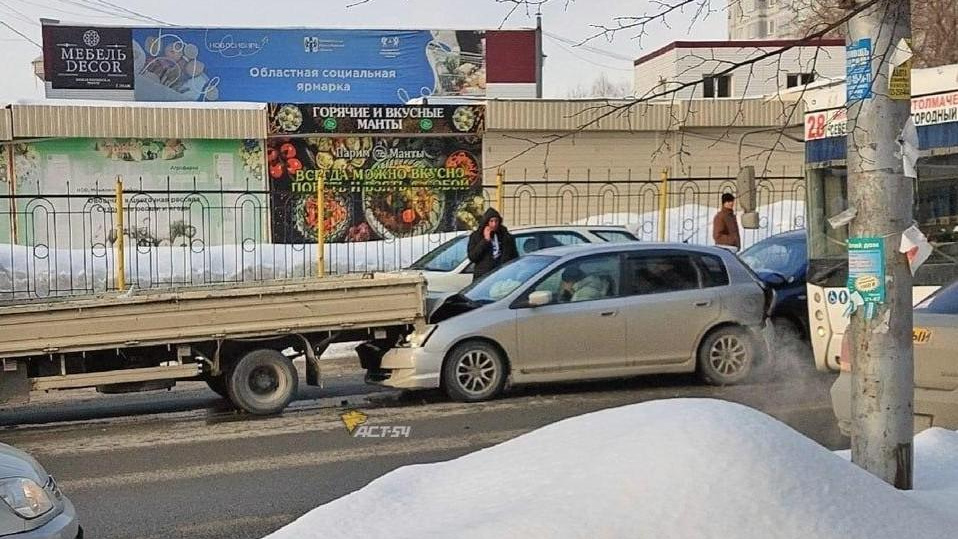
point(445, 306)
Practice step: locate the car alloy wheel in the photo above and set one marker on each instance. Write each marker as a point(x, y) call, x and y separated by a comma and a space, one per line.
point(476, 372)
point(728, 355)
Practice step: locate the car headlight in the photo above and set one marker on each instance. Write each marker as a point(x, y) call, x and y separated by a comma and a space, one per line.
point(25, 497)
point(418, 339)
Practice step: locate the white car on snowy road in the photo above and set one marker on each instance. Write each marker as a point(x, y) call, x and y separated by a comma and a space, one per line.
point(447, 268)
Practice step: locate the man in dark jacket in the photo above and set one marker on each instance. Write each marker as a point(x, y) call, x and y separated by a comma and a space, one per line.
point(725, 225)
point(491, 245)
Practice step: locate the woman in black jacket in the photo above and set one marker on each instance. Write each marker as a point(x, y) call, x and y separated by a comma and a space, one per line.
point(491, 245)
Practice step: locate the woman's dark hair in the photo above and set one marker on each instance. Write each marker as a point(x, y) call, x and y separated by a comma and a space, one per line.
point(728, 197)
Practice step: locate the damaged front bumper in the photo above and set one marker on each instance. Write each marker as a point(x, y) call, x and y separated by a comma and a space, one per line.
point(404, 367)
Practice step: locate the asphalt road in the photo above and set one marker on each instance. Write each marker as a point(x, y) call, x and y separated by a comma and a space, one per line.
point(182, 464)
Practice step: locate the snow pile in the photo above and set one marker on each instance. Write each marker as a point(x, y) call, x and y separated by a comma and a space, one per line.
point(27, 272)
point(683, 468)
point(936, 470)
point(692, 223)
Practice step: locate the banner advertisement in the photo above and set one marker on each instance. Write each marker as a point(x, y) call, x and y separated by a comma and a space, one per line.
point(935, 109)
point(375, 187)
point(81, 58)
point(290, 65)
point(294, 119)
point(178, 192)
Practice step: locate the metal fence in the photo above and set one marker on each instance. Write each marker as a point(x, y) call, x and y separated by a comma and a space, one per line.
point(77, 243)
point(655, 206)
point(69, 243)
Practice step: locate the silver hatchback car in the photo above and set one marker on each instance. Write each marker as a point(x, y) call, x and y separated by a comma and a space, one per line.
point(587, 312)
point(31, 504)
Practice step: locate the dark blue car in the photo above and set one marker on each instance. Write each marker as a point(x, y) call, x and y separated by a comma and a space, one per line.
point(782, 262)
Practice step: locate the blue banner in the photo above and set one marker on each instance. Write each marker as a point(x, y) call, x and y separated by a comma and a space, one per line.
point(306, 65)
point(858, 70)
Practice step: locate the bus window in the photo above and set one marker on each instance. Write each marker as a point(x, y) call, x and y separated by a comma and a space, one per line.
point(828, 196)
point(936, 212)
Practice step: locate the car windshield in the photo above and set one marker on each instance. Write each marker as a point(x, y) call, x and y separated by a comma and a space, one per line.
point(506, 279)
point(446, 257)
point(945, 301)
point(615, 236)
point(786, 258)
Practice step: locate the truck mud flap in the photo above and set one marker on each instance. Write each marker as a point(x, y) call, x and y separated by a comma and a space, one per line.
point(312, 370)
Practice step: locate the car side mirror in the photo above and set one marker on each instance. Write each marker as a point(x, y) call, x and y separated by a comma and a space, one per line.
point(775, 280)
point(540, 298)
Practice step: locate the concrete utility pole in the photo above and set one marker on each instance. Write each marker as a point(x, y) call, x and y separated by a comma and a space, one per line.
point(881, 336)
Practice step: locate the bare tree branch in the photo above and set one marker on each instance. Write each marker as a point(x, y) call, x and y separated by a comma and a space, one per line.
point(934, 25)
point(609, 110)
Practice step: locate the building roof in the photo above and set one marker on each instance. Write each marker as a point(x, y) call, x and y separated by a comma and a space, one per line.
point(740, 44)
point(107, 119)
point(632, 115)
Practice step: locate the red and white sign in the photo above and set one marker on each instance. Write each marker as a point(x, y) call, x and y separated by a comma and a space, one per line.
point(926, 110)
point(935, 109)
point(825, 124)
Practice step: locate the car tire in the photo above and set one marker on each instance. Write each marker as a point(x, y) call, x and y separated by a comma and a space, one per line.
point(474, 371)
point(726, 356)
point(218, 385)
point(262, 382)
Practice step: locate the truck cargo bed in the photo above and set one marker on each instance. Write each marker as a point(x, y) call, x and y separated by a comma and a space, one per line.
point(255, 310)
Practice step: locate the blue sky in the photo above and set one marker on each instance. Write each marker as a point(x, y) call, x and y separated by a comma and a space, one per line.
point(566, 66)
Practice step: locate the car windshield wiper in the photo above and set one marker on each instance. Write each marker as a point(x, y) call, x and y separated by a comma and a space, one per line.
point(829, 271)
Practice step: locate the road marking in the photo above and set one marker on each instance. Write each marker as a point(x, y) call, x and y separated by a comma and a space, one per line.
point(163, 430)
point(221, 528)
point(82, 440)
point(394, 447)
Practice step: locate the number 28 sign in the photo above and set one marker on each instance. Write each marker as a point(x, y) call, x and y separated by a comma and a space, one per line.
point(825, 124)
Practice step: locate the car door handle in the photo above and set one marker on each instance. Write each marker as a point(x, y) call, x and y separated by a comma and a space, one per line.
point(704, 303)
point(610, 313)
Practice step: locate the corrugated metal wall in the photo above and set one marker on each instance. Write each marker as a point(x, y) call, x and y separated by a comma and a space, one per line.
point(6, 130)
point(35, 121)
point(629, 116)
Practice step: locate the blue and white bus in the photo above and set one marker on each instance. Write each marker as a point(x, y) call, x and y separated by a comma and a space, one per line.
point(935, 113)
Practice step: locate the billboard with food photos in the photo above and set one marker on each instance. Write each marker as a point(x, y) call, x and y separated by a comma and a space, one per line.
point(388, 172)
point(294, 65)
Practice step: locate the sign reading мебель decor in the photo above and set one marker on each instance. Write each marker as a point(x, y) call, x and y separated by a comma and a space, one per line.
point(388, 171)
point(284, 64)
point(181, 192)
point(81, 58)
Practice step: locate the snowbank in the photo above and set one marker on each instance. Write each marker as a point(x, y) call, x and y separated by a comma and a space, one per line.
point(692, 223)
point(36, 272)
point(936, 470)
point(682, 468)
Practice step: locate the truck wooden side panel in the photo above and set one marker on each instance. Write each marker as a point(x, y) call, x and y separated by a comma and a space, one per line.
point(202, 314)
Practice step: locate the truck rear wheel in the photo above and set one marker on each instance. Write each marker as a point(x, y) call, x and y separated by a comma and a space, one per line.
point(262, 382)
